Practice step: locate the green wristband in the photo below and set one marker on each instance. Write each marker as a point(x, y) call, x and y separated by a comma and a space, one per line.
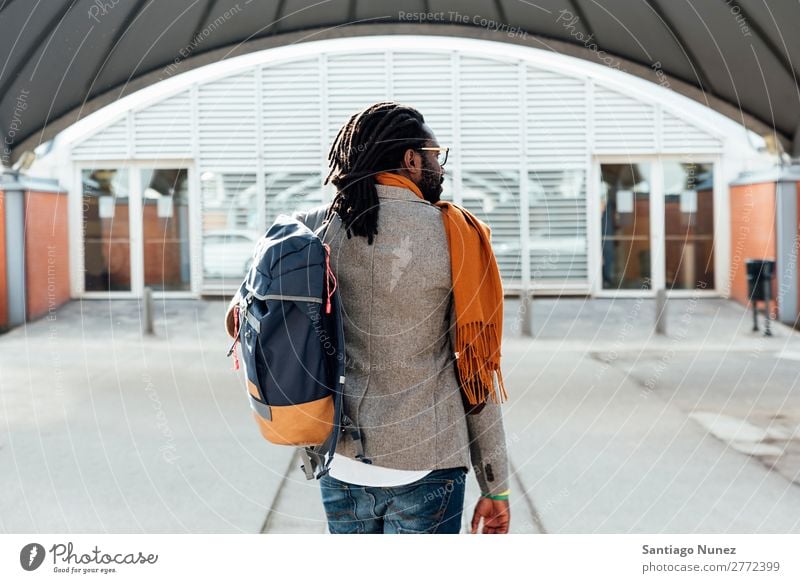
point(501, 496)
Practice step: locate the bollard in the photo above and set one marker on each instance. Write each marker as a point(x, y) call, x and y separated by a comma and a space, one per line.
point(525, 308)
point(767, 302)
point(661, 312)
point(148, 311)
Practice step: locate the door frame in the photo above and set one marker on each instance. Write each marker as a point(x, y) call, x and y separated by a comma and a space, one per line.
point(135, 227)
point(657, 225)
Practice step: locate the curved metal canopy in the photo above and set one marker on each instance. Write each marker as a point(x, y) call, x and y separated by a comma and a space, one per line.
point(62, 59)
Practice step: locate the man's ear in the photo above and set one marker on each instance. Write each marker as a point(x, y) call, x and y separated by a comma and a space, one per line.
point(410, 163)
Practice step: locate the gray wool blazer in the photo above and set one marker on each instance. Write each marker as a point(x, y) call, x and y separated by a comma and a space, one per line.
point(402, 387)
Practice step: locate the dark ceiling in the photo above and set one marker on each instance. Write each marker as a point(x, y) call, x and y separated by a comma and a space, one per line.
point(64, 58)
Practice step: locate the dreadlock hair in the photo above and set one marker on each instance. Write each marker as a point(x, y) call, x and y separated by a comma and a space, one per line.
point(372, 141)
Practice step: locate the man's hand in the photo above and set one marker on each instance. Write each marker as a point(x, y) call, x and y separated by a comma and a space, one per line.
point(495, 514)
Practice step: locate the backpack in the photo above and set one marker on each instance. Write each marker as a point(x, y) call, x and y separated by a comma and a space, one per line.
point(287, 318)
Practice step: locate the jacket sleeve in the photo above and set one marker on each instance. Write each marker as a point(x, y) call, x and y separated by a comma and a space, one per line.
point(487, 437)
point(487, 447)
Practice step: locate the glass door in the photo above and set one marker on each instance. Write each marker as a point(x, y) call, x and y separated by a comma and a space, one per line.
point(689, 225)
point(625, 227)
point(106, 230)
point(165, 228)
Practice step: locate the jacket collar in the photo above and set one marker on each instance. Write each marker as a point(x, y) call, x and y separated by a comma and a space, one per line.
point(398, 192)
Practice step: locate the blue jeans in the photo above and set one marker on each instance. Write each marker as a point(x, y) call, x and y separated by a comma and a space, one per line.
point(433, 504)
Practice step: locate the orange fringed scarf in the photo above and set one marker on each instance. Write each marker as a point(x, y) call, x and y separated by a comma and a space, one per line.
point(478, 297)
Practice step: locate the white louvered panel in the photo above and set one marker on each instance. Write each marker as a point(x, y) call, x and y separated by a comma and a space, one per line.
point(228, 199)
point(556, 119)
point(622, 125)
point(227, 121)
point(354, 82)
point(291, 191)
point(109, 143)
point(493, 196)
point(164, 129)
point(557, 223)
point(490, 113)
point(291, 105)
point(679, 136)
point(425, 82)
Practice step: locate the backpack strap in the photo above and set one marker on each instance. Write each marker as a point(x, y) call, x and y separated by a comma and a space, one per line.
point(311, 461)
point(322, 230)
point(315, 456)
point(355, 434)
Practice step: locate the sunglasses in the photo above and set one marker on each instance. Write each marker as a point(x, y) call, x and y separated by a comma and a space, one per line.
point(441, 154)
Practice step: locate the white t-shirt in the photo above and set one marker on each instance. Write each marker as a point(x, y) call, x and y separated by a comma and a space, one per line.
point(355, 472)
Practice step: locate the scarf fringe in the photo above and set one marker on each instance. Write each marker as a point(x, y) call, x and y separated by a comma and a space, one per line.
point(476, 366)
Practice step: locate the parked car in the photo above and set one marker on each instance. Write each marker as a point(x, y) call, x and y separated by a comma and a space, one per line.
point(228, 253)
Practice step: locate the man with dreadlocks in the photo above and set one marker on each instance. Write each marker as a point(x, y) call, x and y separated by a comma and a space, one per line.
point(423, 310)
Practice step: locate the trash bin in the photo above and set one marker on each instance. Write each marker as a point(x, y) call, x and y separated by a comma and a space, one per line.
point(759, 288)
point(759, 275)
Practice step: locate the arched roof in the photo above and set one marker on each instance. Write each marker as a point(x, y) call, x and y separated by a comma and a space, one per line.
point(64, 59)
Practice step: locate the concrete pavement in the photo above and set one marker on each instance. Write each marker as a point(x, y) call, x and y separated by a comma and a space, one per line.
point(610, 428)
